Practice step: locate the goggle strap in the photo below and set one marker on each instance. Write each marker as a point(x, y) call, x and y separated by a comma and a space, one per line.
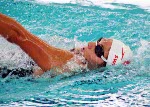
point(96, 43)
point(103, 58)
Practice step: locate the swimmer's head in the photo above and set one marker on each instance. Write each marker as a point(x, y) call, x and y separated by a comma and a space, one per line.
point(114, 51)
point(106, 52)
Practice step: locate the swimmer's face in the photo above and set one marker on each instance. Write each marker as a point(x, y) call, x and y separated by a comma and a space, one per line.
point(91, 57)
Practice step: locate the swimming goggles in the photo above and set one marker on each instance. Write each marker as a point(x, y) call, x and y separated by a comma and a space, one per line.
point(99, 51)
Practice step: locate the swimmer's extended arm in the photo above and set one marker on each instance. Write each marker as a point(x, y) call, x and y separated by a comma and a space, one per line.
point(42, 53)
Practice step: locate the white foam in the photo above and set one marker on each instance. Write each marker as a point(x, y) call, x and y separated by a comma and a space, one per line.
point(104, 3)
point(11, 55)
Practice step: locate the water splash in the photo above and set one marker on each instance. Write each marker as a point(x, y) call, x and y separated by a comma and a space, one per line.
point(145, 4)
point(112, 86)
point(12, 56)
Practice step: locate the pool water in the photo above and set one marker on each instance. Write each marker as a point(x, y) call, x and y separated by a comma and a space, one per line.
point(66, 25)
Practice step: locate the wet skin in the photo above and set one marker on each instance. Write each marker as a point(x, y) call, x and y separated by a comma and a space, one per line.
point(89, 53)
point(45, 55)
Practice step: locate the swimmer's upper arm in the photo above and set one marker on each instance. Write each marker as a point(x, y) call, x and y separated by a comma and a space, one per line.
point(45, 55)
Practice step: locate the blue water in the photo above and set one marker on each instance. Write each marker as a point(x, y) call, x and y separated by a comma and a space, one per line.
point(59, 25)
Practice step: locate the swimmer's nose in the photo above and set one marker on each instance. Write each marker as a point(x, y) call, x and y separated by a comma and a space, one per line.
point(90, 45)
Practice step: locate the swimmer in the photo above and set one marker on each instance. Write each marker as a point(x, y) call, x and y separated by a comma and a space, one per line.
point(103, 52)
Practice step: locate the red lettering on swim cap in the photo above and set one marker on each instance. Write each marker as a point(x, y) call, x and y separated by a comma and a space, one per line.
point(115, 60)
point(122, 54)
point(116, 56)
point(126, 62)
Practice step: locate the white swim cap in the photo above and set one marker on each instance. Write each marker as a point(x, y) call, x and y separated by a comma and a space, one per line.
point(119, 53)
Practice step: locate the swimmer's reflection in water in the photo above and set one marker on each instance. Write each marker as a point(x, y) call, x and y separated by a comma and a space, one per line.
point(103, 52)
